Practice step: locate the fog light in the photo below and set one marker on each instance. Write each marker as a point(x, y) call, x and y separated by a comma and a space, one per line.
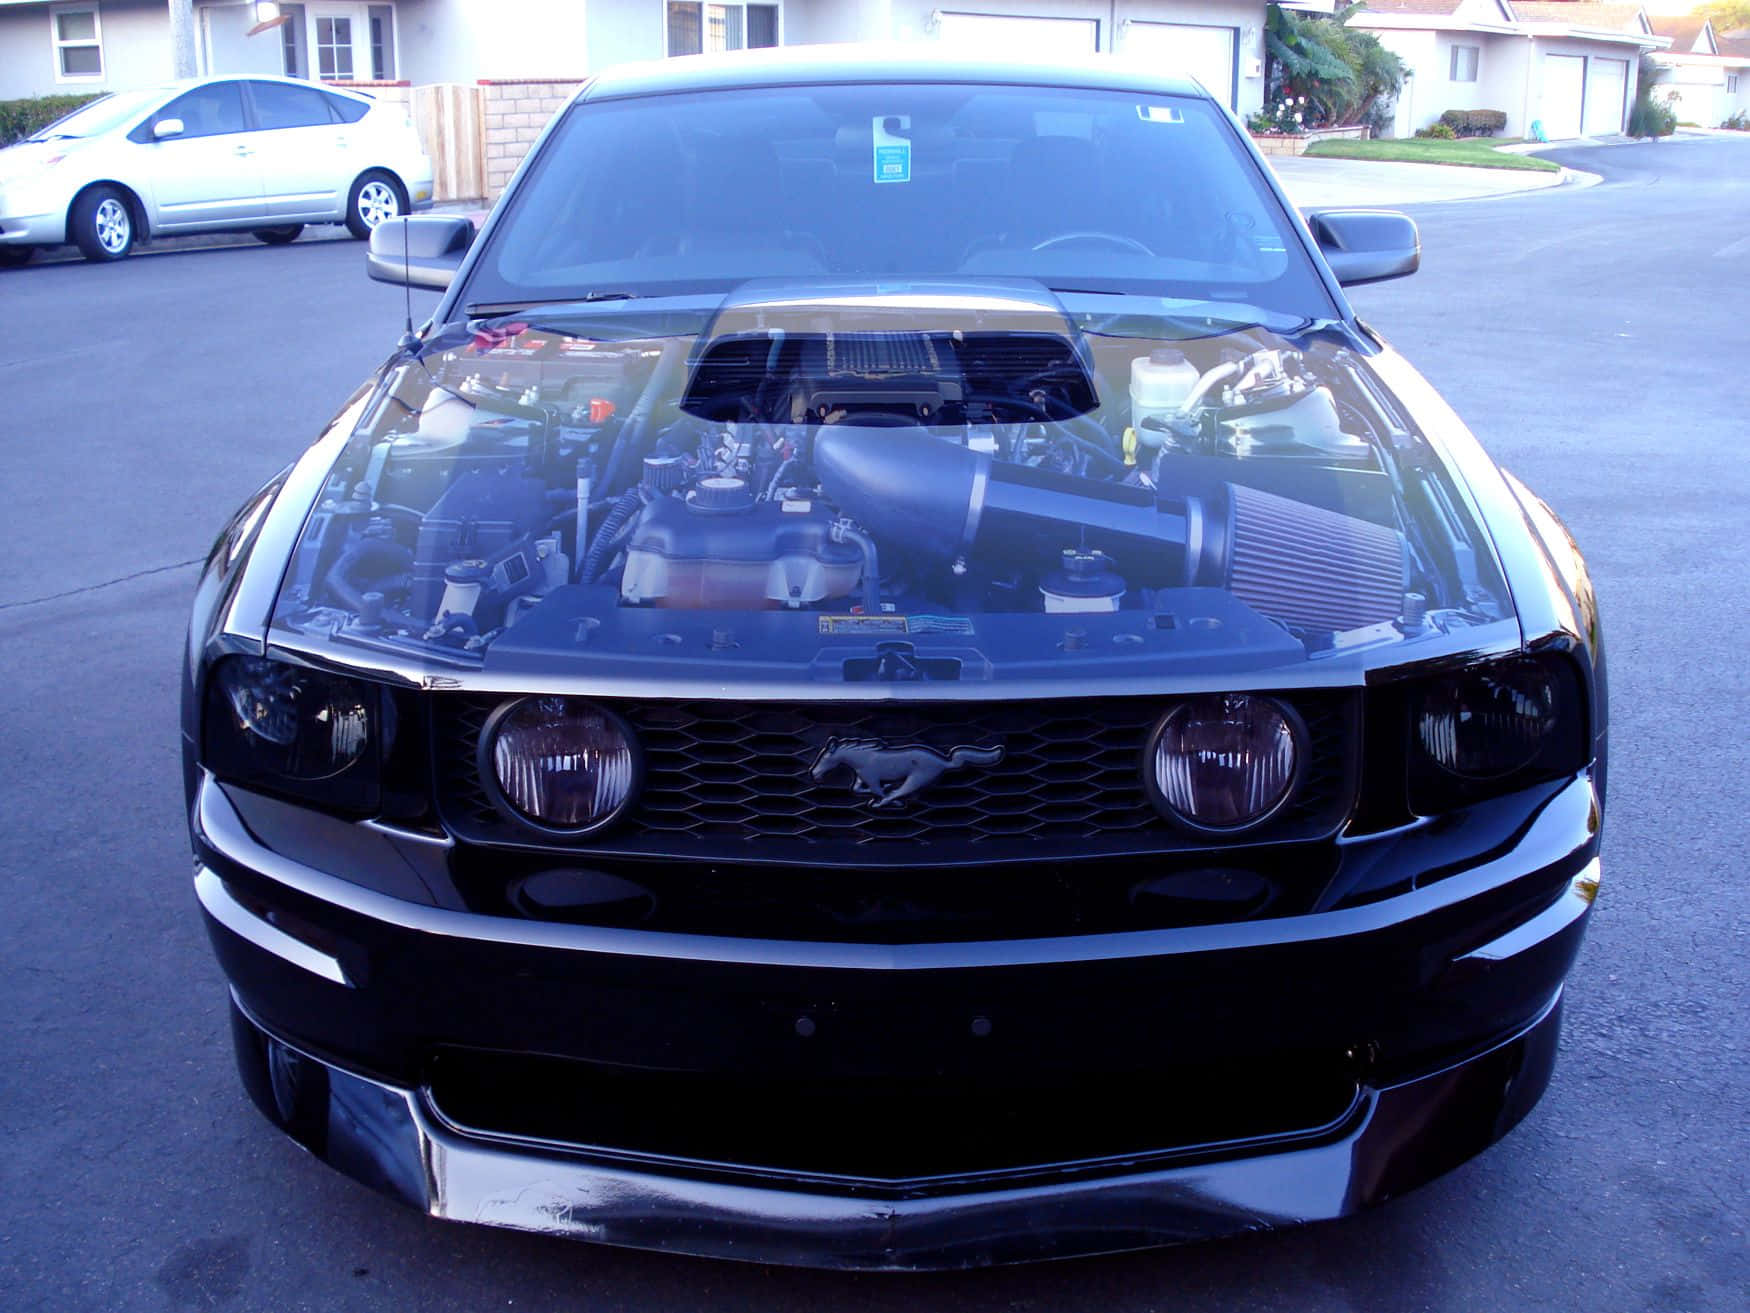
point(560, 764)
point(1224, 762)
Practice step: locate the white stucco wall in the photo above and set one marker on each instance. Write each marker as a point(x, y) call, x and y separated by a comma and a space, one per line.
point(466, 40)
point(223, 46)
point(136, 50)
point(1701, 92)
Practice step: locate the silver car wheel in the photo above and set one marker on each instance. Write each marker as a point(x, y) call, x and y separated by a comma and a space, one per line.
point(377, 201)
point(114, 228)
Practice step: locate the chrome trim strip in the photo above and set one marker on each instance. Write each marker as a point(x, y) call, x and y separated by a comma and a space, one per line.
point(1571, 906)
point(1350, 670)
point(408, 836)
point(1560, 832)
point(210, 888)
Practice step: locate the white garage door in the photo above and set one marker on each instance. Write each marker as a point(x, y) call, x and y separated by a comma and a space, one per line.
point(1564, 86)
point(1206, 53)
point(1005, 34)
point(1606, 92)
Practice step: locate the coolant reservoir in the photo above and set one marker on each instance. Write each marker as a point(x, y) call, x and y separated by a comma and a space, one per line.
point(1160, 383)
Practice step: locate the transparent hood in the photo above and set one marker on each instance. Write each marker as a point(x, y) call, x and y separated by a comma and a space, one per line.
point(830, 484)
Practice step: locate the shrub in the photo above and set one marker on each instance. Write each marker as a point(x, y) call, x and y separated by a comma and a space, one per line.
point(1286, 117)
point(1739, 122)
point(1650, 115)
point(20, 118)
point(1474, 122)
point(1441, 131)
point(1340, 73)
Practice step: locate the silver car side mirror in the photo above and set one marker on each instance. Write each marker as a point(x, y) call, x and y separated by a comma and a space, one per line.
point(167, 128)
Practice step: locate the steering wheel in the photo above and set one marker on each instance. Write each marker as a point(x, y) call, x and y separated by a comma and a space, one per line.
point(1093, 235)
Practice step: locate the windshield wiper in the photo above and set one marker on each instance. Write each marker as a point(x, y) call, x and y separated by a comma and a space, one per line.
point(488, 309)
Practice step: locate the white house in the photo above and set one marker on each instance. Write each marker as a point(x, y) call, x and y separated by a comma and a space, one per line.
point(1707, 75)
point(49, 46)
point(1567, 66)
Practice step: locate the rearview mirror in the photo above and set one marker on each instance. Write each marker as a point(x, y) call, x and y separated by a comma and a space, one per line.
point(1366, 246)
point(424, 251)
point(167, 128)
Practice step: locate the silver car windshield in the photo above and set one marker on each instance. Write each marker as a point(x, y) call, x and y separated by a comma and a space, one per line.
point(100, 116)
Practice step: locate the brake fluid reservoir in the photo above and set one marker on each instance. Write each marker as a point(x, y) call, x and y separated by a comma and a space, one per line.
point(1160, 383)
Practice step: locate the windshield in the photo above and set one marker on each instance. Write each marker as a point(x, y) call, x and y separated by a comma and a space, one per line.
point(1078, 189)
point(100, 116)
point(824, 481)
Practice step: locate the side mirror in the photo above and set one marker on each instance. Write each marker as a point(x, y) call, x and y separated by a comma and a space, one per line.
point(423, 251)
point(1366, 246)
point(167, 128)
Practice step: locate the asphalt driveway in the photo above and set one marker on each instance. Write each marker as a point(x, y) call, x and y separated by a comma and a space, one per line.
point(1593, 337)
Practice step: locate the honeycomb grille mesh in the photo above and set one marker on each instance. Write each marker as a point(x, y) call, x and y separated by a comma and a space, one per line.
point(724, 776)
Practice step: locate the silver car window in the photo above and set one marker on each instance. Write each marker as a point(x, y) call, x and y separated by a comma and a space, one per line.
point(208, 111)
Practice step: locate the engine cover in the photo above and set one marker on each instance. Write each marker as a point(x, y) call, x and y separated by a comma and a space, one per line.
point(772, 554)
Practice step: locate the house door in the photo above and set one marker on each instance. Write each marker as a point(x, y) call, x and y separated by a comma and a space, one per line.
point(1206, 53)
point(1606, 95)
point(1564, 95)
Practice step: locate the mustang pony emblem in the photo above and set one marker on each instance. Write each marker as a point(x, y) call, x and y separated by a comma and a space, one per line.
point(888, 774)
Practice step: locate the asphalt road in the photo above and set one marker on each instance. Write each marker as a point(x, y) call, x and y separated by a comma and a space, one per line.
point(1595, 338)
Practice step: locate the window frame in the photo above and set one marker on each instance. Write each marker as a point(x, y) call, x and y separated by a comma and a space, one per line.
point(57, 45)
point(317, 47)
point(1476, 63)
point(704, 5)
point(1732, 84)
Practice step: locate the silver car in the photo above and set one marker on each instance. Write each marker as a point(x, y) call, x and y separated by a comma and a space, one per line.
point(261, 154)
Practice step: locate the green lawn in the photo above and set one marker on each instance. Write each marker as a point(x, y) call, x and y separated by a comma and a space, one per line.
point(1477, 151)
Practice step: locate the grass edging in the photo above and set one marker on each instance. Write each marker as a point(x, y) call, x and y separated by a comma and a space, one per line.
point(1471, 152)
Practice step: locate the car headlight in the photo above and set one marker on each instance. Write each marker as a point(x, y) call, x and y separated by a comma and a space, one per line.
point(562, 765)
point(1224, 762)
point(287, 728)
point(1496, 727)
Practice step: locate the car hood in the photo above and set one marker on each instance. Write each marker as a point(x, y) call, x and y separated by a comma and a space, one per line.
point(28, 158)
point(879, 491)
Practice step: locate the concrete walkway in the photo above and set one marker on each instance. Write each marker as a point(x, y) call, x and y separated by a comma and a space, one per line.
point(1326, 182)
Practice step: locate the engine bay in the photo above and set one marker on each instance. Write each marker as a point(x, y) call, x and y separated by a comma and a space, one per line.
point(875, 464)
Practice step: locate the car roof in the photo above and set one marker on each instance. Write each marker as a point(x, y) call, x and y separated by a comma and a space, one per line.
point(185, 84)
point(878, 63)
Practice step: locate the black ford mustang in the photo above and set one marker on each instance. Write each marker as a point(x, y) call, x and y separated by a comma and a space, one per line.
point(893, 680)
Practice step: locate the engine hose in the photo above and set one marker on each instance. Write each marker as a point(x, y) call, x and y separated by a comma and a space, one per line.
point(659, 385)
point(387, 565)
point(843, 531)
point(606, 537)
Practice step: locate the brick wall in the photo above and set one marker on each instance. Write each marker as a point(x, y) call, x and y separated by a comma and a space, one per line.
point(513, 114)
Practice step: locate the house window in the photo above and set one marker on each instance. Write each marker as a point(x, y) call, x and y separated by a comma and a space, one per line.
point(78, 45)
point(1731, 84)
point(1464, 63)
point(334, 49)
point(382, 28)
point(696, 29)
point(292, 42)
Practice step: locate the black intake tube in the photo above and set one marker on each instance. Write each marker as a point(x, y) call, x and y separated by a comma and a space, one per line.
point(1309, 567)
point(947, 500)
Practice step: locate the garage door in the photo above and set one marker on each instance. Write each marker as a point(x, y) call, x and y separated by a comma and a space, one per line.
point(1206, 53)
point(1564, 88)
point(1606, 92)
point(1005, 34)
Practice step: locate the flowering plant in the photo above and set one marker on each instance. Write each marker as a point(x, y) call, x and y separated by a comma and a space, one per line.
point(1286, 117)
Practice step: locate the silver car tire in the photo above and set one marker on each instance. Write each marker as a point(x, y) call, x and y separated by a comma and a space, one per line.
point(375, 197)
point(101, 224)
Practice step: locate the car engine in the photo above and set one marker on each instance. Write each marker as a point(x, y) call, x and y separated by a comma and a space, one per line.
point(802, 466)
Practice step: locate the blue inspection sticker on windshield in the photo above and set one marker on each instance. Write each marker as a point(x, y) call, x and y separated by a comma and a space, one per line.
point(892, 148)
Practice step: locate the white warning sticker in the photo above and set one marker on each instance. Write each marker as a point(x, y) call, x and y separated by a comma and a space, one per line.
point(892, 147)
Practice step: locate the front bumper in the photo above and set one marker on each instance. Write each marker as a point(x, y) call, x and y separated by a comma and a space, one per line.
point(390, 1139)
point(33, 229)
point(1445, 1000)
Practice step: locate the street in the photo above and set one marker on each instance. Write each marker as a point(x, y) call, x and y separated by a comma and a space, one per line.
point(1593, 337)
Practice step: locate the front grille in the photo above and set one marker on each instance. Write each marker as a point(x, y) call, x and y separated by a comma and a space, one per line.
point(733, 779)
